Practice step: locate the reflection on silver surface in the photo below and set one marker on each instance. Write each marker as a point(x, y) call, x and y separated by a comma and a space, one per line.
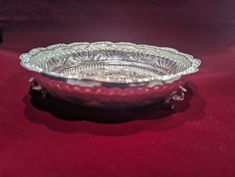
point(109, 74)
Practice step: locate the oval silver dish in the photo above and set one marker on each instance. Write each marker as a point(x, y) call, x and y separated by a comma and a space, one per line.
point(108, 74)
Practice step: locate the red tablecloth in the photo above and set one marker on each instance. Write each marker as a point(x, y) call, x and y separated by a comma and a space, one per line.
point(48, 138)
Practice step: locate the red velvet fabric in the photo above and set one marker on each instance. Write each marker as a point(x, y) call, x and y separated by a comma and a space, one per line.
point(51, 138)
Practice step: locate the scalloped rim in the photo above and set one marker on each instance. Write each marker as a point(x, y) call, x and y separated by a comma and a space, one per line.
point(25, 59)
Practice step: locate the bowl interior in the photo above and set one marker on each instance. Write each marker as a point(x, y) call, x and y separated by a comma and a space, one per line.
point(112, 65)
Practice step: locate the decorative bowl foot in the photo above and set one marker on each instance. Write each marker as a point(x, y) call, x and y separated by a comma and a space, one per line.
point(35, 86)
point(174, 97)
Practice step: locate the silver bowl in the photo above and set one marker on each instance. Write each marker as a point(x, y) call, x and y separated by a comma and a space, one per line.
point(110, 75)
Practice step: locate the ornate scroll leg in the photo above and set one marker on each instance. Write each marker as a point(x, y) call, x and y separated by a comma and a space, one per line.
point(37, 87)
point(175, 96)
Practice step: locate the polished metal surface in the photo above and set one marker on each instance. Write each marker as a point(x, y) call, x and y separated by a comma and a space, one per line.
point(109, 74)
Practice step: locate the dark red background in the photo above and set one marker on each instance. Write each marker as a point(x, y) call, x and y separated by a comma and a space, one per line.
point(49, 138)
